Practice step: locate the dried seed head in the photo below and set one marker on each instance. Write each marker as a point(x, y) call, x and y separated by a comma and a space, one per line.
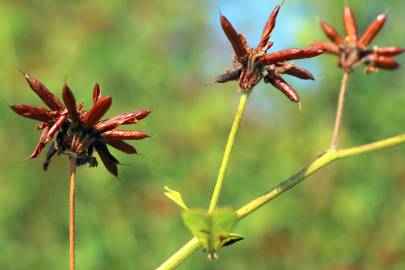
point(353, 51)
point(75, 132)
point(251, 65)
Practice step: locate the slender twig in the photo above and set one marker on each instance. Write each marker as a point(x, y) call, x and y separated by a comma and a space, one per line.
point(72, 201)
point(182, 254)
point(339, 111)
point(228, 149)
point(284, 186)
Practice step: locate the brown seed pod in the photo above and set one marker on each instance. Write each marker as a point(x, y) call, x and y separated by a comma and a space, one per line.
point(233, 37)
point(268, 29)
point(97, 111)
point(293, 70)
point(332, 34)
point(70, 102)
point(122, 146)
point(47, 97)
point(117, 134)
point(284, 87)
point(41, 143)
point(372, 30)
point(328, 46)
point(385, 62)
point(291, 54)
point(36, 113)
point(55, 128)
point(388, 51)
point(350, 26)
point(96, 93)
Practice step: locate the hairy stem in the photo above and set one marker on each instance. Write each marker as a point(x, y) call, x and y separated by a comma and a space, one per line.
point(339, 110)
point(316, 165)
point(72, 201)
point(227, 153)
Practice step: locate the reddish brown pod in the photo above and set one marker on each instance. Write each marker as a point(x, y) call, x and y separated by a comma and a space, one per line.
point(76, 132)
point(353, 49)
point(251, 65)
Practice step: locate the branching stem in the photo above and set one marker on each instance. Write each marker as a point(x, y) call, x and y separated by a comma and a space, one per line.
point(323, 160)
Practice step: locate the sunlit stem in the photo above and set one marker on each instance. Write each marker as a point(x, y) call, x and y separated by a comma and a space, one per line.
point(320, 162)
point(72, 202)
point(339, 111)
point(228, 149)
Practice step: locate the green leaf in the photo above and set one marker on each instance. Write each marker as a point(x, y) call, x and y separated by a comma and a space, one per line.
point(175, 196)
point(232, 239)
point(213, 231)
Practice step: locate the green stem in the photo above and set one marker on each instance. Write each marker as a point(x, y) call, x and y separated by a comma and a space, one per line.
point(284, 186)
point(182, 254)
point(316, 165)
point(228, 149)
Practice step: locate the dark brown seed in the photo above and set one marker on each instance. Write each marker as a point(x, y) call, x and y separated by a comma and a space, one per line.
point(291, 54)
point(231, 75)
point(138, 114)
point(296, 71)
point(108, 125)
point(239, 47)
point(55, 128)
point(41, 143)
point(117, 134)
point(97, 111)
point(268, 28)
point(47, 97)
point(70, 103)
point(96, 93)
point(36, 113)
point(372, 30)
point(122, 146)
point(284, 87)
point(122, 119)
point(51, 152)
point(105, 157)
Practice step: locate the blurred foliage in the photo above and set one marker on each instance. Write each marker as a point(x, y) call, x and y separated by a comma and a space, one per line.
point(163, 55)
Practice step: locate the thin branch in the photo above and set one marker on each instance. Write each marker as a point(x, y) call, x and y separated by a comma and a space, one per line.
point(72, 201)
point(339, 110)
point(284, 186)
point(182, 254)
point(228, 149)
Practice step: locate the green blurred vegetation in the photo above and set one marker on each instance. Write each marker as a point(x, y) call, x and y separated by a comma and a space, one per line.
point(163, 55)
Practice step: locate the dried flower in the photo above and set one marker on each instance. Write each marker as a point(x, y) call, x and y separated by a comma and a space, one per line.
point(76, 132)
point(353, 51)
point(250, 65)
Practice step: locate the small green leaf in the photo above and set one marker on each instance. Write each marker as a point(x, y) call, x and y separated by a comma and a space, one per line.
point(232, 239)
point(175, 196)
point(211, 230)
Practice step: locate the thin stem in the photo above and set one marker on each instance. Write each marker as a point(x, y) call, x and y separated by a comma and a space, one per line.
point(182, 254)
point(339, 110)
point(227, 153)
point(316, 165)
point(72, 201)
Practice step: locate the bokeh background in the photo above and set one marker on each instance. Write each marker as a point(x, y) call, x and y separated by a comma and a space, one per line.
point(163, 55)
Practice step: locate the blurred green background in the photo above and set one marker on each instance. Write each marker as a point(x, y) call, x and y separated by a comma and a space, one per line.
point(163, 55)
